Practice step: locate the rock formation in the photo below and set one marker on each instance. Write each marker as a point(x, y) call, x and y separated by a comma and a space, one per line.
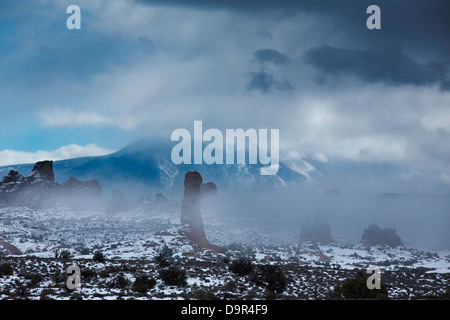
point(89, 188)
point(374, 235)
point(39, 187)
point(6, 248)
point(42, 170)
point(316, 229)
point(191, 211)
point(208, 188)
point(160, 199)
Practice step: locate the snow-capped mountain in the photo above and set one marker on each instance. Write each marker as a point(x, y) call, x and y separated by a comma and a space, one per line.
point(145, 166)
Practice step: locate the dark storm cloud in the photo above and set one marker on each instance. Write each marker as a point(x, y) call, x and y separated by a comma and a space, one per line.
point(389, 66)
point(266, 82)
point(422, 25)
point(271, 56)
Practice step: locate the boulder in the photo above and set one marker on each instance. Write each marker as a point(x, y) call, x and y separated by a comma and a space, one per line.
point(373, 235)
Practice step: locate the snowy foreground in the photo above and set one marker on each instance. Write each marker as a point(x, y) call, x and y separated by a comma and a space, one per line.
point(134, 241)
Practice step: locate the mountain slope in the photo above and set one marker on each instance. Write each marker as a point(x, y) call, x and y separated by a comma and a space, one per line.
point(145, 167)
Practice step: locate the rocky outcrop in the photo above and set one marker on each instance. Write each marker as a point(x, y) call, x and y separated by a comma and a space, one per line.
point(42, 170)
point(316, 229)
point(373, 235)
point(191, 211)
point(208, 189)
point(7, 248)
point(190, 206)
point(89, 188)
point(39, 188)
point(160, 199)
point(30, 190)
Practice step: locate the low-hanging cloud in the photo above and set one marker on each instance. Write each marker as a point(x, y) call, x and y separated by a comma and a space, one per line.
point(390, 66)
point(11, 157)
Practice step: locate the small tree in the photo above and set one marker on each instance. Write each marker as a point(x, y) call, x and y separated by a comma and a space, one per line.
point(241, 266)
point(98, 257)
point(164, 254)
point(6, 269)
point(274, 278)
point(356, 288)
point(143, 283)
point(119, 282)
point(173, 276)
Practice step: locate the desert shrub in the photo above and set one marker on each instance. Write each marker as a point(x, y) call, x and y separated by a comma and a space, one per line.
point(143, 283)
point(230, 286)
point(21, 288)
point(6, 269)
point(104, 274)
point(35, 278)
point(164, 254)
point(241, 266)
point(356, 288)
point(164, 263)
point(119, 282)
point(88, 274)
point(62, 254)
point(269, 276)
point(58, 277)
point(173, 276)
point(98, 257)
point(269, 295)
point(204, 294)
point(446, 294)
point(44, 294)
point(274, 278)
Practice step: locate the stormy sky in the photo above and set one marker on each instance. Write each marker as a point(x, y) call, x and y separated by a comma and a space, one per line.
point(338, 92)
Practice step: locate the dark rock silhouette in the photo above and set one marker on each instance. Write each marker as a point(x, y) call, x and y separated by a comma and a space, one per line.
point(190, 206)
point(373, 235)
point(191, 211)
point(208, 188)
point(39, 188)
point(89, 188)
point(11, 186)
point(316, 229)
point(42, 170)
point(12, 177)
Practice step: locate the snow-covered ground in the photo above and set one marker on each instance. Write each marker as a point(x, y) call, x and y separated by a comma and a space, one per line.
point(137, 235)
